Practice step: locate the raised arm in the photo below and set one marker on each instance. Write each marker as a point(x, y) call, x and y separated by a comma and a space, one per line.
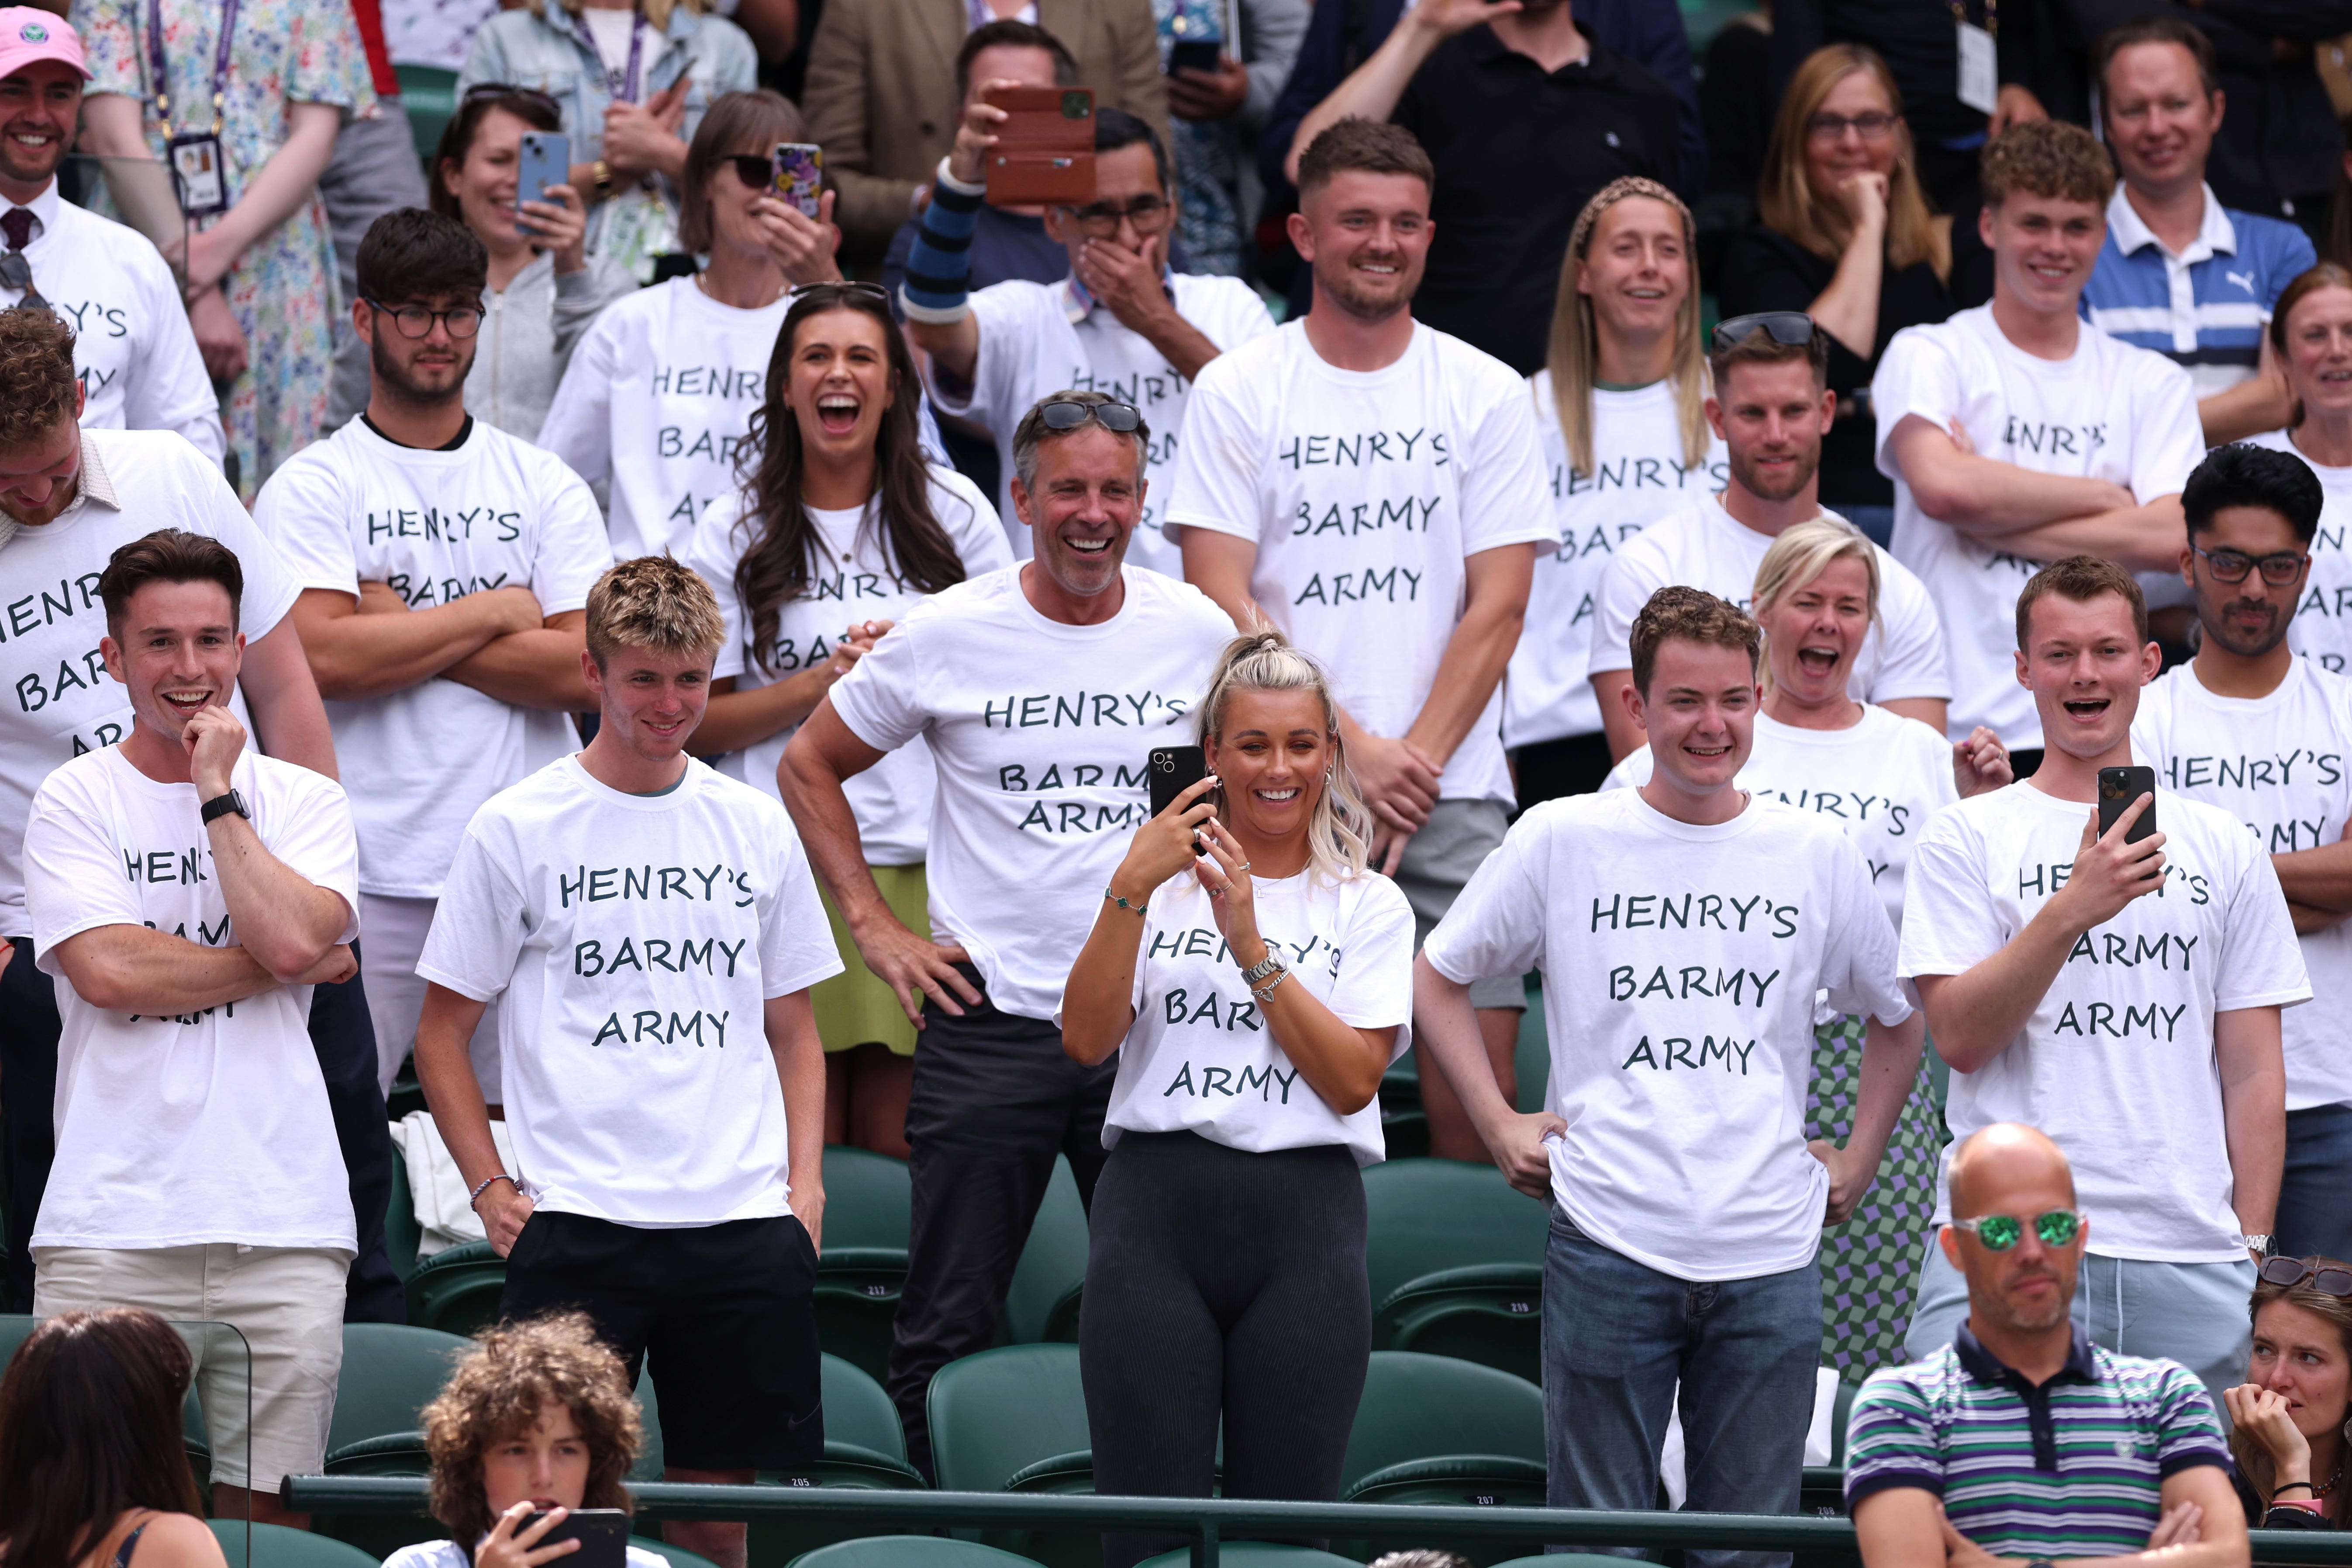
point(285, 921)
point(535, 668)
point(1371, 92)
point(357, 655)
point(1098, 999)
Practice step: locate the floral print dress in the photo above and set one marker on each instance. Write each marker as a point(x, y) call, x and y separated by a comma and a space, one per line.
point(282, 290)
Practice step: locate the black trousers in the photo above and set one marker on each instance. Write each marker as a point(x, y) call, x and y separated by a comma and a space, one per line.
point(341, 1033)
point(994, 1101)
point(1223, 1283)
point(1574, 765)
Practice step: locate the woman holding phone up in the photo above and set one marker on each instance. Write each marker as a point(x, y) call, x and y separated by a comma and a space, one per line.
point(1256, 989)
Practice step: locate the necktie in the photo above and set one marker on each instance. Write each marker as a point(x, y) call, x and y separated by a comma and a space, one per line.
point(16, 272)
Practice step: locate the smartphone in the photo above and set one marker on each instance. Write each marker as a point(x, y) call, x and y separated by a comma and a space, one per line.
point(2118, 787)
point(1044, 152)
point(546, 160)
point(800, 175)
point(603, 1535)
point(1195, 53)
point(1174, 770)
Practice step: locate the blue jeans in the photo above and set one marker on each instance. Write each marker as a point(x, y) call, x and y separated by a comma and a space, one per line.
point(2315, 1207)
point(1616, 1337)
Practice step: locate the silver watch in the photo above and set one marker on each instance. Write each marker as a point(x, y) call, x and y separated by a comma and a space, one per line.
point(2260, 1243)
point(1262, 968)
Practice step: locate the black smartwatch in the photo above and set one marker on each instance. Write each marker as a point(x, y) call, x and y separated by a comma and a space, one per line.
point(220, 805)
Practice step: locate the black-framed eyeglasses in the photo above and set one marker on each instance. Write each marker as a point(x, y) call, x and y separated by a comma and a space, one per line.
point(2000, 1231)
point(846, 284)
point(2329, 1281)
point(1102, 219)
point(416, 321)
point(756, 170)
point(1063, 413)
point(533, 95)
point(2231, 566)
point(1873, 126)
point(17, 274)
point(1792, 328)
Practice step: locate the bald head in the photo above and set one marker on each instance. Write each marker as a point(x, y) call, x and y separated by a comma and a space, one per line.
point(2005, 1160)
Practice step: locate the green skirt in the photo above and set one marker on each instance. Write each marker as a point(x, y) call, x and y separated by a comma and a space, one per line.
point(855, 1007)
point(1869, 1264)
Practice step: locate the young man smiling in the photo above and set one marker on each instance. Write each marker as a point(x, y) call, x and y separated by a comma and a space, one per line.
point(2123, 997)
point(1685, 930)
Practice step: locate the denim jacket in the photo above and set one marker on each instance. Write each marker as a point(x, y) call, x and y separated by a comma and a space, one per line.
point(538, 46)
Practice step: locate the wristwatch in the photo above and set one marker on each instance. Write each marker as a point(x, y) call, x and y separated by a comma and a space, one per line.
point(601, 172)
point(2260, 1243)
point(229, 804)
point(1261, 969)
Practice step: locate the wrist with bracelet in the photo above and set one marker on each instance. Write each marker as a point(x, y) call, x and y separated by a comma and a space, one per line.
point(474, 1199)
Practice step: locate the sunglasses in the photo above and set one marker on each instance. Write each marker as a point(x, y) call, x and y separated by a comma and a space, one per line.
point(1120, 418)
point(1792, 328)
point(530, 94)
point(757, 170)
point(2000, 1231)
point(2330, 1281)
point(846, 284)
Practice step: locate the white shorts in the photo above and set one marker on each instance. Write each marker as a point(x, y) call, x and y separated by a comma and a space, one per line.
point(392, 938)
point(263, 1321)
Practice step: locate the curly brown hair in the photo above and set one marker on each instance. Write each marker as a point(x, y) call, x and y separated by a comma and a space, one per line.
point(2047, 158)
point(1690, 615)
point(498, 1393)
point(38, 379)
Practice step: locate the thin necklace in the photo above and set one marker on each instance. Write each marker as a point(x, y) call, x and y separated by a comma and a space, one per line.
point(702, 282)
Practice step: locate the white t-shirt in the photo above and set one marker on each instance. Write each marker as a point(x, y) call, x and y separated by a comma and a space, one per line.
point(1638, 477)
point(2277, 764)
point(1039, 732)
point(1879, 780)
point(1681, 966)
point(2322, 628)
point(1200, 1058)
point(139, 366)
point(2110, 412)
point(656, 403)
point(210, 1126)
point(2116, 1061)
point(632, 942)
point(437, 526)
point(1036, 340)
point(1364, 491)
point(59, 702)
point(1703, 546)
point(853, 580)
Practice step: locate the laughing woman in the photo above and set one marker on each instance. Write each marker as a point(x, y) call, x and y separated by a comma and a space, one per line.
point(1255, 990)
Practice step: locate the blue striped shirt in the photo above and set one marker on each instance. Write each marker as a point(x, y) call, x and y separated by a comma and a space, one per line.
point(2072, 1468)
point(2205, 309)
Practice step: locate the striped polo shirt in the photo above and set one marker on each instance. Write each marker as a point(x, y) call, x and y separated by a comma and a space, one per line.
point(2205, 309)
point(2073, 1468)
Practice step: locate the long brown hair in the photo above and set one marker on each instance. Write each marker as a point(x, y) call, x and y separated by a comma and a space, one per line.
point(775, 570)
point(1575, 357)
point(751, 121)
point(497, 1393)
point(2254, 1459)
point(1786, 198)
point(2323, 275)
point(90, 1429)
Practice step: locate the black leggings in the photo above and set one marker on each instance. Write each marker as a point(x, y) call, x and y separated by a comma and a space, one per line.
point(1223, 1282)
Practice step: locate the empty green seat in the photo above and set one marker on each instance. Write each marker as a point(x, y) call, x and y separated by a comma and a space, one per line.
point(401, 1232)
point(865, 1449)
point(910, 1552)
point(1255, 1554)
point(677, 1556)
point(1454, 1262)
point(1000, 1413)
point(390, 1372)
point(1042, 1306)
point(457, 1291)
point(276, 1546)
point(1437, 1429)
point(1491, 1313)
point(864, 1266)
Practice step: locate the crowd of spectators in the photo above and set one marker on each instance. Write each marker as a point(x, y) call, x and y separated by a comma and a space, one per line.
point(543, 597)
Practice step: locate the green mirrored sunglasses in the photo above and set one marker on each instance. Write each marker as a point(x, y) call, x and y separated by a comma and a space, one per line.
point(2000, 1231)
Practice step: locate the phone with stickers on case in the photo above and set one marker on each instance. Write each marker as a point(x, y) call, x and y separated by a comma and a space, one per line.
point(2118, 787)
point(800, 175)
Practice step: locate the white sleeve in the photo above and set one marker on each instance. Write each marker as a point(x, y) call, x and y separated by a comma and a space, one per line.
point(1374, 989)
point(1006, 320)
point(796, 946)
point(1506, 486)
point(1496, 924)
point(73, 872)
point(1631, 575)
point(1911, 638)
point(303, 510)
point(573, 548)
point(169, 388)
point(311, 836)
point(1915, 375)
point(711, 552)
point(2167, 437)
point(477, 923)
point(881, 697)
point(2261, 962)
point(1950, 925)
point(1219, 459)
point(579, 425)
point(1858, 970)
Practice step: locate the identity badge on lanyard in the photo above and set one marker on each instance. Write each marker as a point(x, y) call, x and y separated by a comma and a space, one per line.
point(1979, 84)
point(198, 165)
point(621, 86)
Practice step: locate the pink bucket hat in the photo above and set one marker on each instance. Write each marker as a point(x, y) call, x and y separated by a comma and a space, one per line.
point(27, 36)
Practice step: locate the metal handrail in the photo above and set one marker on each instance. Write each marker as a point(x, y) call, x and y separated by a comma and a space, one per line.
point(1209, 1521)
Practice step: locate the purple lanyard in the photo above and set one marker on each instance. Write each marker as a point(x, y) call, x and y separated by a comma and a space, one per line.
point(621, 86)
point(158, 64)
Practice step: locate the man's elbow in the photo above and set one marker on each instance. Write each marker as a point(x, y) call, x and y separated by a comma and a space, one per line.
point(1942, 497)
point(101, 983)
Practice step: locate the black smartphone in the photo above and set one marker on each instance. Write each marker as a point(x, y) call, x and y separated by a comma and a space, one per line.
point(2118, 787)
point(1174, 770)
point(603, 1535)
point(1195, 53)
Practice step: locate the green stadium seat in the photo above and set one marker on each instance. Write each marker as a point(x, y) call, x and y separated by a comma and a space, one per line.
point(390, 1372)
point(1454, 1260)
point(677, 1556)
point(865, 1450)
point(276, 1546)
point(910, 1552)
point(429, 96)
point(401, 1232)
point(1260, 1554)
point(1491, 1313)
point(457, 1291)
point(864, 1266)
point(1437, 1429)
point(995, 1415)
point(1042, 1306)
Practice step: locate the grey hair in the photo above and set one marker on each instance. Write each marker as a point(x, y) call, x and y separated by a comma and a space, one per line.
point(1803, 552)
point(1032, 433)
point(1339, 833)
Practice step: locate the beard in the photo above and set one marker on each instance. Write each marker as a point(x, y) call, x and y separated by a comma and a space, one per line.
point(2245, 644)
point(406, 387)
point(1798, 475)
point(1361, 301)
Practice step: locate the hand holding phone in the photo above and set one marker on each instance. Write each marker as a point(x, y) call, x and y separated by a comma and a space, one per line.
point(1043, 153)
point(544, 160)
point(800, 175)
point(603, 1535)
point(2121, 855)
